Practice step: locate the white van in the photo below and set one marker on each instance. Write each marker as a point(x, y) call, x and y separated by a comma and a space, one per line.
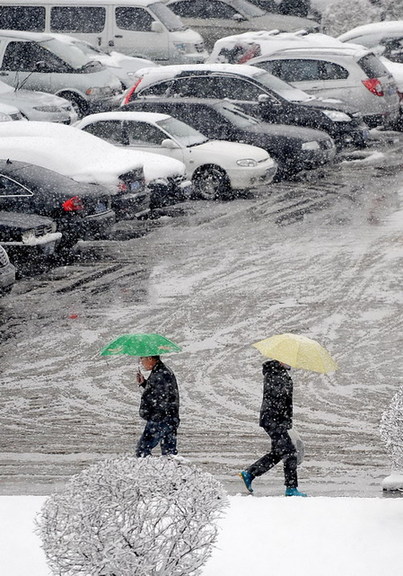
point(145, 28)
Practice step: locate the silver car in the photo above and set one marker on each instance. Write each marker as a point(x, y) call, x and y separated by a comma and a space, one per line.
point(348, 73)
point(38, 105)
point(8, 113)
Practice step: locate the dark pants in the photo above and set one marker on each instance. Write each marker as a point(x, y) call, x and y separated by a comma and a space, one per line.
point(282, 448)
point(163, 433)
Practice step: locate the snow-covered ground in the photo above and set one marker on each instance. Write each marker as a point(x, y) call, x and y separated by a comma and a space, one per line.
point(279, 536)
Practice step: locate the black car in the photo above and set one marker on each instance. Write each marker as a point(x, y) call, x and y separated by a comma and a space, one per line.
point(81, 211)
point(293, 147)
point(7, 273)
point(27, 237)
point(257, 92)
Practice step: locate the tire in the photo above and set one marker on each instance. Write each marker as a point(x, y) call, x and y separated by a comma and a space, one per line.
point(79, 104)
point(211, 183)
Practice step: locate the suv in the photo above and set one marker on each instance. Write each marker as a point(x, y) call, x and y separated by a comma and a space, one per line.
point(44, 62)
point(257, 92)
point(351, 74)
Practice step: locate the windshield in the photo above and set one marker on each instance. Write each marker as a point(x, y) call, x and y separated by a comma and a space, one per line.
point(170, 20)
point(237, 116)
point(183, 133)
point(72, 55)
point(247, 9)
point(281, 88)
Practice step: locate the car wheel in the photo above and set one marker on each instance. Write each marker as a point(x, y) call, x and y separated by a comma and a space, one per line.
point(211, 182)
point(78, 104)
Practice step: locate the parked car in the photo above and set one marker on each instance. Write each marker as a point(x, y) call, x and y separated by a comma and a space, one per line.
point(353, 75)
point(27, 237)
point(9, 113)
point(134, 178)
point(35, 105)
point(38, 61)
point(7, 273)
point(81, 211)
point(257, 92)
point(385, 37)
point(294, 148)
point(146, 28)
point(217, 168)
point(216, 18)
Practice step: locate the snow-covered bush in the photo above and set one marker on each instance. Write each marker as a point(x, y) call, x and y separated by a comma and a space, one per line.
point(343, 15)
point(132, 517)
point(391, 430)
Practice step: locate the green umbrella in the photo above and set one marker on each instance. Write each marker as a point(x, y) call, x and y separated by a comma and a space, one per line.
point(140, 345)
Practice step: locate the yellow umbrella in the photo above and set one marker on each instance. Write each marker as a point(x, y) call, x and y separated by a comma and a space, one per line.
point(297, 351)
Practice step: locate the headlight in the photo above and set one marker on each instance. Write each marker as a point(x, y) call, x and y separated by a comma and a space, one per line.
point(28, 236)
point(314, 145)
point(48, 108)
point(180, 47)
point(4, 117)
point(337, 116)
point(247, 163)
point(99, 91)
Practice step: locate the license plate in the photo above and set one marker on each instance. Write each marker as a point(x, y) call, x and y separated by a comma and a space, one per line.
point(134, 186)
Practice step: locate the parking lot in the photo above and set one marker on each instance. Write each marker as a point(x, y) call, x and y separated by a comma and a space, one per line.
point(320, 256)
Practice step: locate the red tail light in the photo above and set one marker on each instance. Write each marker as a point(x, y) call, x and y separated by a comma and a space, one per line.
point(73, 204)
point(122, 186)
point(129, 93)
point(374, 86)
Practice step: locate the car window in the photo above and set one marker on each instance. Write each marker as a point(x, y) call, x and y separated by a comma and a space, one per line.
point(143, 134)
point(197, 86)
point(23, 56)
point(28, 18)
point(206, 9)
point(10, 188)
point(160, 89)
point(131, 18)
point(85, 19)
point(301, 70)
point(372, 66)
point(110, 130)
point(239, 89)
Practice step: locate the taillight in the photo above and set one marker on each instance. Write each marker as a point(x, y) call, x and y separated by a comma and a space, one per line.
point(129, 93)
point(73, 204)
point(122, 186)
point(374, 86)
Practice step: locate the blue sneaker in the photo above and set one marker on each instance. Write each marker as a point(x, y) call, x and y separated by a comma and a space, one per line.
point(294, 492)
point(247, 478)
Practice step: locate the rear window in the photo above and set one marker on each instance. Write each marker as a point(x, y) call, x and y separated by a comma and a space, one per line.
point(84, 19)
point(28, 18)
point(372, 66)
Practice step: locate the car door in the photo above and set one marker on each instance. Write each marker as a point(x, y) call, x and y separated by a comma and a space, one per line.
point(133, 33)
point(149, 138)
point(306, 74)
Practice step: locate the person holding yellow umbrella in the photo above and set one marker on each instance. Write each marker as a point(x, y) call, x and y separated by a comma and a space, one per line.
point(285, 350)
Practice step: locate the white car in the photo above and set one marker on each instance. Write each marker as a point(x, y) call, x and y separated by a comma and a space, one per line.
point(216, 167)
point(385, 37)
point(86, 158)
point(9, 113)
point(40, 106)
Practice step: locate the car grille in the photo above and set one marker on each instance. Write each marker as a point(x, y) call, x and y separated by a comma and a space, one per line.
point(3, 258)
point(43, 230)
point(199, 47)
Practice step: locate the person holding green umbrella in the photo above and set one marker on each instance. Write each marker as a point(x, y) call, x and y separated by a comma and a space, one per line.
point(159, 405)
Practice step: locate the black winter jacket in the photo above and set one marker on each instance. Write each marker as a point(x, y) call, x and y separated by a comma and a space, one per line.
point(276, 409)
point(160, 399)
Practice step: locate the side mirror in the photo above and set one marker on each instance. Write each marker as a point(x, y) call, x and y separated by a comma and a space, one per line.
point(263, 98)
point(156, 27)
point(41, 65)
point(170, 144)
point(238, 17)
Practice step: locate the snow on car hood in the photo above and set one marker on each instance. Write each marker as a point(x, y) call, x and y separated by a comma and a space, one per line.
point(233, 150)
point(77, 154)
